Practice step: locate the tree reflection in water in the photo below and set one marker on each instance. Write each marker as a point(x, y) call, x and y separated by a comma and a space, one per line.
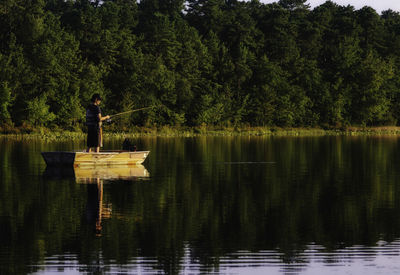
point(210, 203)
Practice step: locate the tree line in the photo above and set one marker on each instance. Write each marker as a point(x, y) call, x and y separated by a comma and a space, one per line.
point(199, 62)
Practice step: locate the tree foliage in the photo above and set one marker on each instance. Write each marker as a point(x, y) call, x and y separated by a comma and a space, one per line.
point(199, 62)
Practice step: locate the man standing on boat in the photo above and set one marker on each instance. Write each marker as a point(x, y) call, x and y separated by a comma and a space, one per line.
point(93, 122)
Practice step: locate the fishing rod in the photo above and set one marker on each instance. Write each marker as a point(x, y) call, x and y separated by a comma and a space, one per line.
point(131, 111)
point(127, 112)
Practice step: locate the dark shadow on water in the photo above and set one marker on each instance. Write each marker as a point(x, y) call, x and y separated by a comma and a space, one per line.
point(250, 202)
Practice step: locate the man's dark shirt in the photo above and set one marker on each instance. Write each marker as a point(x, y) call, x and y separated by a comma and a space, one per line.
point(92, 115)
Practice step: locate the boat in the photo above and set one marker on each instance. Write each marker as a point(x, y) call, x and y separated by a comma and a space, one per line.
point(103, 158)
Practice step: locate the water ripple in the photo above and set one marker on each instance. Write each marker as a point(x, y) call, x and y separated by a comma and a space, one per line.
point(315, 259)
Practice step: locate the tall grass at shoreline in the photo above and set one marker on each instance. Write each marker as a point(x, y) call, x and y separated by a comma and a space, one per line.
point(165, 131)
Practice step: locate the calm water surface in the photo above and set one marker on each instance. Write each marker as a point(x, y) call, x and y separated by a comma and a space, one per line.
point(325, 205)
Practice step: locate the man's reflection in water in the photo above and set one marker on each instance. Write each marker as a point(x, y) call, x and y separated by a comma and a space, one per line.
point(95, 210)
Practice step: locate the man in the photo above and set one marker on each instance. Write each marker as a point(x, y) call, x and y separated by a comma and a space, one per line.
point(93, 122)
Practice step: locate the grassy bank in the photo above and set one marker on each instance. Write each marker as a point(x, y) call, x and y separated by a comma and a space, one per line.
point(56, 134)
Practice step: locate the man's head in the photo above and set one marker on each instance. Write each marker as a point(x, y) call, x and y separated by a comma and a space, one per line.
point(96, 98)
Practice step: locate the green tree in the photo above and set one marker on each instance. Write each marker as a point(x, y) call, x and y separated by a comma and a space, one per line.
point(370, 101)
point(5, 102)
point(38, 113)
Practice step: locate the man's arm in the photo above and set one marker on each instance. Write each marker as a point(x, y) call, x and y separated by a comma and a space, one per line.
point(102, 118)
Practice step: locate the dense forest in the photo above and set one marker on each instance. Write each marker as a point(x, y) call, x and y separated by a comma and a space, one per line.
point(199, 62)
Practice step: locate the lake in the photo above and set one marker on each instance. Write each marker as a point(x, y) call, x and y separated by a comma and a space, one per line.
point(210, 205)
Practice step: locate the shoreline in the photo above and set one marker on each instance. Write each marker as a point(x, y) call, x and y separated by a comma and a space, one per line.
point(48, 134)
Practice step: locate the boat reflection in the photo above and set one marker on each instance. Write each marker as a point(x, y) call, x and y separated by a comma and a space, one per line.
point(89, 175)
